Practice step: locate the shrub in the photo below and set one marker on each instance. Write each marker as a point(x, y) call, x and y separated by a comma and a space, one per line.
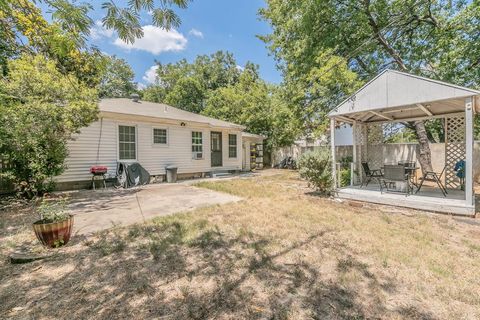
point(53, 210)
point(40, 109)
point(345, 177)
point(316, 168)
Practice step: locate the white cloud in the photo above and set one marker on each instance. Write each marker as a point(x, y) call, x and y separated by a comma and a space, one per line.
point(150, 75)
point(141, 86)
point(98, 31)
point(240, 68)
point(196, 33)
point(156, 40)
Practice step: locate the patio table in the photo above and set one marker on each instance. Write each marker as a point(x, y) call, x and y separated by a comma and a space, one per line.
point(412, 174)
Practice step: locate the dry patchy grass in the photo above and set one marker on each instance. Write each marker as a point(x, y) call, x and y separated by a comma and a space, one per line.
point(282, 253)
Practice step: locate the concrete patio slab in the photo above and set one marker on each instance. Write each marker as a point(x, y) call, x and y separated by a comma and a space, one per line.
point(102, 209)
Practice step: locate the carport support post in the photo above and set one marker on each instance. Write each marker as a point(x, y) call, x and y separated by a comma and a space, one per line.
point(334, 156)
point(354, 164)
point(469, 196)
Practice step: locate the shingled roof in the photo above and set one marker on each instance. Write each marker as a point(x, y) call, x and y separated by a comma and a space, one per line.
point(160, 111)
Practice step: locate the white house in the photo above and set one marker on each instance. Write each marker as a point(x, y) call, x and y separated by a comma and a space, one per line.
point(154, 135)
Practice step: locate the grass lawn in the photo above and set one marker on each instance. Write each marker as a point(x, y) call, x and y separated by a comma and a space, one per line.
point(282, 253)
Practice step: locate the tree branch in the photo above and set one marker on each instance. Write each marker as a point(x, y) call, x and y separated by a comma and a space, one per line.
point(380, 38)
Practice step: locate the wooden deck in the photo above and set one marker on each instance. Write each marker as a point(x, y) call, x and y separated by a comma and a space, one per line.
point(429, 199)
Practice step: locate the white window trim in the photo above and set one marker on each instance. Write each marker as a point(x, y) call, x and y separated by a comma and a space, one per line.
point(161, 145)
point(118, 142)
point(236, 146)
point(203, 145)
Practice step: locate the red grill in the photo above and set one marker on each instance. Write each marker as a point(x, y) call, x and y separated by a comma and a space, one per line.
point(98, 170)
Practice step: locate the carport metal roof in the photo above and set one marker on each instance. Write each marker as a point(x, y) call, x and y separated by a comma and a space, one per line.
point(394, 96)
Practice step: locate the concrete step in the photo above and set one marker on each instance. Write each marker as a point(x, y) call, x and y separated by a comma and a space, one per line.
point(220, 174)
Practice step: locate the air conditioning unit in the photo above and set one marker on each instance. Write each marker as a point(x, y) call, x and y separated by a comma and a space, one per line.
point(197, 155)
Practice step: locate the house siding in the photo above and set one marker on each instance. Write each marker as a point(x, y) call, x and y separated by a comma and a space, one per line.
point(97, 144)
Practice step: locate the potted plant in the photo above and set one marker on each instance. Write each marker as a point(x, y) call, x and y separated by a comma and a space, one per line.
point(55, 225)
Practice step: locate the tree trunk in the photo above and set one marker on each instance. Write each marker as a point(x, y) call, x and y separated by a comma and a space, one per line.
point(424, 155)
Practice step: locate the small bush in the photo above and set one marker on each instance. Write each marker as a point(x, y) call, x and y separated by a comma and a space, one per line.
point(316, 168)
point(345, 175)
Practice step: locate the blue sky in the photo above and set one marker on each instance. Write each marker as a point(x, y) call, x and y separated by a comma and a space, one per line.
point(207, 26)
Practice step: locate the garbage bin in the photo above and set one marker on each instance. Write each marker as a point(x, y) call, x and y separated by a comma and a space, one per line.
point(171, 174)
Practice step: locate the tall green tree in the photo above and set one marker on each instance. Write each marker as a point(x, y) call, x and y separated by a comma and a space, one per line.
point(437, 39)
point(186, 85)
point(256, 105)
point(117, 80)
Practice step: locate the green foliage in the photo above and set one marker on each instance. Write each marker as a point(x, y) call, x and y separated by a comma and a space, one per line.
point(253, 103)
point(187, 94)
point(53, 210)
point(321, 45)
point(316, 168)
point(153, 93)
point(398, 133)
point(345, 171)
point(117, 79)
point(345, 175)
point(126, 20)
point(187, 85)
point(40, 109)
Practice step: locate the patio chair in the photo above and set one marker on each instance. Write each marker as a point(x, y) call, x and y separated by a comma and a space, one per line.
point(410, 168)
point(392, 174)
point(370, 174)
point(436, 177)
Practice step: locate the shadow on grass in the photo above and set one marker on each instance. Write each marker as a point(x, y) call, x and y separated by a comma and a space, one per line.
point(173, 270)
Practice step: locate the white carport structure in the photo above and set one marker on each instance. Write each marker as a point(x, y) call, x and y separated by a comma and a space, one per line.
point(398, 97)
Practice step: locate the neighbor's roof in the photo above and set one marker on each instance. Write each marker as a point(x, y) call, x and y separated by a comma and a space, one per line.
point(160, 111)
point(403, 95)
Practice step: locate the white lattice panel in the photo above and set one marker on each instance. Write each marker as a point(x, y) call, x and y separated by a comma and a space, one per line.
point(360, 136)
point(454, 148)
point(375, 146)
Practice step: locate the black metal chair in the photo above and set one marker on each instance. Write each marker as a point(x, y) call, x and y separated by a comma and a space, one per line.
point(410, 168)
point(435, 177)
point(370, 174)
point(392, 174)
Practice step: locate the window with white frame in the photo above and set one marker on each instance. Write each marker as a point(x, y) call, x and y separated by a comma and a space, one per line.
point(159, 136)
point(127, 143)
point(232, 145)
point(197, 145)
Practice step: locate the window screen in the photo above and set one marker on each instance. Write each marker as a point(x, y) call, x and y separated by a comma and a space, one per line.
point(197, 145)
point(126, 143)
point(232, 145)
point(159, 136)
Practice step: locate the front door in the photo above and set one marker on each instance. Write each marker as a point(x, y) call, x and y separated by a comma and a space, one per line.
point(216, 143)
